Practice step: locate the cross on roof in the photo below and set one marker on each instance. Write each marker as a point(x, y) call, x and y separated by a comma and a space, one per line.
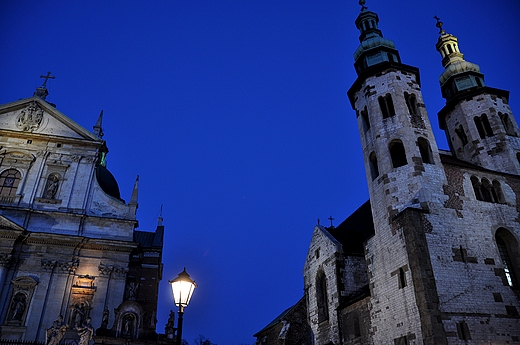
point(47, 77)
point(331, 219)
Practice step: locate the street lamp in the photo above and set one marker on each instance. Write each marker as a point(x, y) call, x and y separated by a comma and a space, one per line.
point(182, 289)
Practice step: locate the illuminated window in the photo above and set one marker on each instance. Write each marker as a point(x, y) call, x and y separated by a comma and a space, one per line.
point(9, 180)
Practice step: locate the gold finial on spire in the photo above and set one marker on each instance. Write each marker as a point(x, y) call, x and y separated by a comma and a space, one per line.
point(439, 25)
point(362, 4)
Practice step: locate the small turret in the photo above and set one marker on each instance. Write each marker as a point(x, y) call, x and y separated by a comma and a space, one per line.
point(459, 75)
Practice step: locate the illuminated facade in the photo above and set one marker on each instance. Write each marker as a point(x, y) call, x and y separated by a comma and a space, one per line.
point(434, 256)
point(68, 244)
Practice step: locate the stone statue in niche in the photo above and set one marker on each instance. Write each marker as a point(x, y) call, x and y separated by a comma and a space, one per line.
point(128, 325)
point(18, 307)
point(153, 320)
point(85, 332)
point(51, 188)
point(78, 314)
point(170, 329)
point(56, 332)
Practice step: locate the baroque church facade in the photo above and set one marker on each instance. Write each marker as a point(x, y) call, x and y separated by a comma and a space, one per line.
point(434, 256)
point(73, 267)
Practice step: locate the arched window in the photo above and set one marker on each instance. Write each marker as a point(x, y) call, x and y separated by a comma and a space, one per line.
point(508, 125)
point(365, 120)
point(411, 103)
point(387, 105)
point(9, 180)
point(398, 154)
point(51, 187)
point(487, 190)
point(374, 169)
point(497, 191)
point(508, 250)
point(477, 188)
point(425, 150)
point(483, 126)
point(321, 297)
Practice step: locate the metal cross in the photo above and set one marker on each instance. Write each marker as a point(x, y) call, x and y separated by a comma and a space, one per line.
point(47, 77)
point(439, 24)
point(331, 219)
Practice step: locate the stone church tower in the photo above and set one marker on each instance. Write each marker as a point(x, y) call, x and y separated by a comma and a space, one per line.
point(433, 257)
point(69, 251)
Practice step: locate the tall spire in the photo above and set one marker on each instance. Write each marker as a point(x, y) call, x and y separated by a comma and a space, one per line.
point(373, 48)
point(42, 90)
point(135, 192)
point(98, 129)
point(468, 73)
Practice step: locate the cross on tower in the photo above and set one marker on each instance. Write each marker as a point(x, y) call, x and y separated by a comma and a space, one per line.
point(439, 24)
point(331, 219)
point(47, 77)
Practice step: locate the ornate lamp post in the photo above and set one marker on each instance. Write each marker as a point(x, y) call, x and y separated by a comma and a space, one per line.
point(182, 289)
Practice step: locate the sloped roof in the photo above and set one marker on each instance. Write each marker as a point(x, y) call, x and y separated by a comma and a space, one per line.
point(355, 230)
point(279, 318)
point(149, 239)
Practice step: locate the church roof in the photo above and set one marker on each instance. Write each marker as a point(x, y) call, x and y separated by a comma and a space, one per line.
point(280, 317)
point(355, 230)
point(150, 239)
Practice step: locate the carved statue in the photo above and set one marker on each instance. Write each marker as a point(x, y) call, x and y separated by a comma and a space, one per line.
point(132, 289)
point(18, 307)
point(56, 332)
point(52, 186)
point(153, 320)
point(128, 325)
point(104, 320)
point(85, 332)
point(78, 314)
point(170, 329)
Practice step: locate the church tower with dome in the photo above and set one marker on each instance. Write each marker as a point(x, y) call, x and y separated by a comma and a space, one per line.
point(71, 259)
point(434, 256)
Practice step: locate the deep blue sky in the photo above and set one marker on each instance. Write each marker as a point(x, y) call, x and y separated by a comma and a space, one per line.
point(234, 115)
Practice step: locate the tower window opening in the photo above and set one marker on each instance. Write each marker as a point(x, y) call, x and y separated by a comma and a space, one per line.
point(508, 125)
point(411, 103)
point(425, 150)
point(387, 105)
point(398, 154)
point(486, 190)
point(507, 246)
point(483, 126)
point(9, 180)
point(498, 192)
point(461, 134)
point(450, 50)
point(374, 169)
point(365, 119)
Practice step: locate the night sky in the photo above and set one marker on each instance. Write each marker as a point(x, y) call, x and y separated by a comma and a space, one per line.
point(235, 117)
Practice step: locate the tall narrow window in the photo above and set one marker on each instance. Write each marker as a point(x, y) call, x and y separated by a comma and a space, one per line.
point(398, 154)
point(477, 188)
point(321, 297)
point(9, 180)
point(461, 134)
point(487, 190)
point(425, 150)
point(387, 105)
point(508, 125)
point(411, 103)
point(365, 120)
point(483, 126)
point(463, 331)
point(508, 249)
point(374, 169)
point(402, 278)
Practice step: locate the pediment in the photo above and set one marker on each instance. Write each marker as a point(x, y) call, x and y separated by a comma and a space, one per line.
point(34, 115)
point(9, 225)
